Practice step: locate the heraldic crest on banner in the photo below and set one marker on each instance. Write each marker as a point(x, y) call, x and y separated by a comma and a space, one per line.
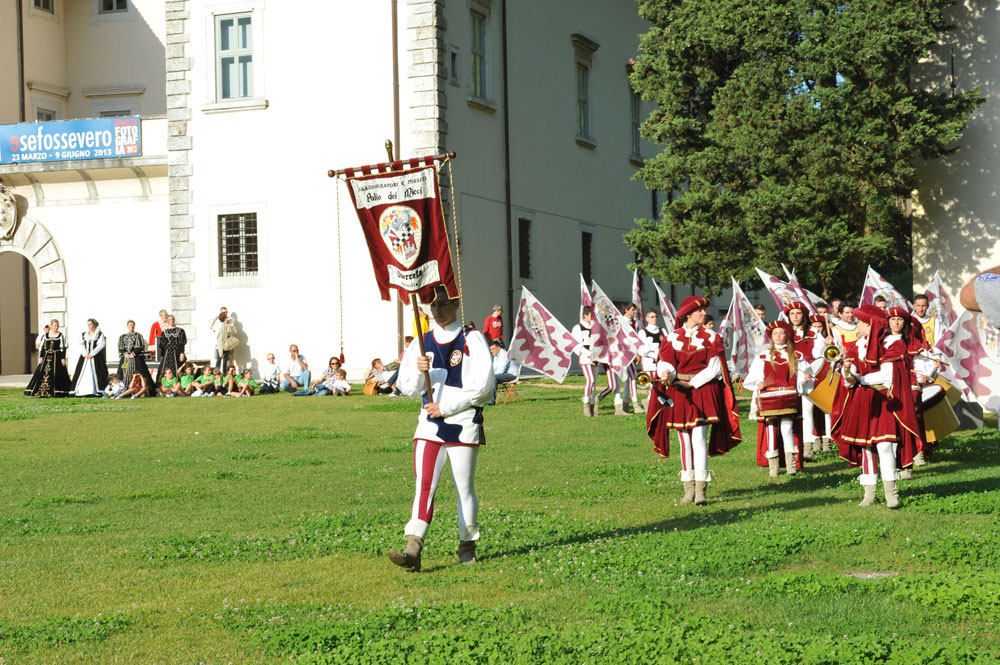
point(535, 325)
point(606, 312)
point(402, 230)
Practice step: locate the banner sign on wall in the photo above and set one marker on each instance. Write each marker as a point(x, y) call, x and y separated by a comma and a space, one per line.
point(400, 213)
point(71, 140)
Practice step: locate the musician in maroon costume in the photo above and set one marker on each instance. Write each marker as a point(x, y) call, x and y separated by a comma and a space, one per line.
point(874, 420)
point(692, 395)
point(805, 342)
point(777, 378)
point(822, 337)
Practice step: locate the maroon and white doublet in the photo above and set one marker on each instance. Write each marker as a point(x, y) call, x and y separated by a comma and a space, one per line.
point(777, 397)
point(695, 356)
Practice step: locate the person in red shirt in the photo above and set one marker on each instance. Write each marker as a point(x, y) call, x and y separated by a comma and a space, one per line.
point(156, 330)
point(493, 325)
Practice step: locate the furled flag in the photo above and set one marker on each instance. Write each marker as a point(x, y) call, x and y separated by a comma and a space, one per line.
point(540, 341)
point(403, 223)
point(599, 349)
point(794, 282)
point(966, 346)
point(876, 285)
point(667, 310)
point(621, 341)
point(744, 333)
point(784, 293)
point(637, 293)
point(939, 302)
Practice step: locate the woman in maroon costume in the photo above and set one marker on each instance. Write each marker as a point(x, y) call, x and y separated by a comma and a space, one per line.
point(874, 420)
point(918, 357)
point(778, 377)
point(693, 392)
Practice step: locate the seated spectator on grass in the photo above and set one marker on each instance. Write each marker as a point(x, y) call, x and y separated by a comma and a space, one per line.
point(187, 378)
point(384, 382)
point(324, 384)
point(137, 389)
point(230, 381)
point(169, 384)
point(114, 388)
point(340, 385)
point(204, 384)
point(245, 385)
point(218, 381)
point(294, 371)
point(270, 376)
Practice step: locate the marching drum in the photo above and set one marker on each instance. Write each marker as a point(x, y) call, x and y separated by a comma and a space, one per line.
point(952, 394)
point(939, 416)
point(824, 392)
point(773, 402)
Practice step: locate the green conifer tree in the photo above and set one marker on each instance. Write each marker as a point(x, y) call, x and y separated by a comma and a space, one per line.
point(790, 132)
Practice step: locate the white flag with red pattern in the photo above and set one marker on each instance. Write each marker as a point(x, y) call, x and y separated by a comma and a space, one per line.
point(667, 310)
point(939, 301)
point(540, 341)
point(785, 293)
point(599, 349)
point(966, 346)
point(876, 285)
point(621, 340)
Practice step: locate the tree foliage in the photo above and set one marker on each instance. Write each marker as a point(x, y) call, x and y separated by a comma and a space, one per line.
point(790, 132)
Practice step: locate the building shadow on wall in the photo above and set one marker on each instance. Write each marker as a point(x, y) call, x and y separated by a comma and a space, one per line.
point(961, 224)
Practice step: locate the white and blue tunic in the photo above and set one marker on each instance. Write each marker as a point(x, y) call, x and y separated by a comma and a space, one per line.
point(461, 383)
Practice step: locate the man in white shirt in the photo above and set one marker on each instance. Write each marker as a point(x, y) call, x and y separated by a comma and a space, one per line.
point(294, 370)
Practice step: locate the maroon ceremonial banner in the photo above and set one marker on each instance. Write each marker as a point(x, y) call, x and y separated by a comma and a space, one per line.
point(401, 215)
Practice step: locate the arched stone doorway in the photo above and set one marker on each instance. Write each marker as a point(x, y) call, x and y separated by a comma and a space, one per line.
point(33, 242)
point(18, 314)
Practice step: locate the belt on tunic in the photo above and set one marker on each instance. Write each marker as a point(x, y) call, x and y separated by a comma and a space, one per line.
point(685, 377)
point(878, 386)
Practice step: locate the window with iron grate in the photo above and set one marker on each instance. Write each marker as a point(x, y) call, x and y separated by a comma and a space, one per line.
point(238, 244)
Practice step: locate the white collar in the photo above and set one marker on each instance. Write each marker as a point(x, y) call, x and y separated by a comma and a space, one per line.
point(846, 326)
point(923, 319)
point(445, 334)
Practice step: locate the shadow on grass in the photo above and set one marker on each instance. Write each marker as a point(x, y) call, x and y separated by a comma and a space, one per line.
point(696, 519)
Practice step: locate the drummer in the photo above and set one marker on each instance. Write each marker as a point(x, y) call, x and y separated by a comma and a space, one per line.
point(923, 372)
point(778, 379)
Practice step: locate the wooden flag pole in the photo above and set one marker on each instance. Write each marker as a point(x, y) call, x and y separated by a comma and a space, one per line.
point(393, 165)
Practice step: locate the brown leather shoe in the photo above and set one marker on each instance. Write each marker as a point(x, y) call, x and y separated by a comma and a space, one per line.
point(467, 551)
point(408, 559)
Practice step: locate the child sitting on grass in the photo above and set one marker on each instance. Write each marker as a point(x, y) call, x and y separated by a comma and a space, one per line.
point(340, 385)
point(114, 387)
point(169, 384)
point(246, 386)
point(187, 380)
point(204, 385)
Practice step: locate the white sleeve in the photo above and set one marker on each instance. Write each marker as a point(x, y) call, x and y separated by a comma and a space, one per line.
point(804, 385)
point(101, 341)
point(710, 373)
point(666, 371)
point(478, 381)
point(883, 376)
point(410, 382)
point(755, 375)
point(818, 347)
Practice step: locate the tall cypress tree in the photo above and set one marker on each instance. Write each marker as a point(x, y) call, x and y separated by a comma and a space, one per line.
point(789, 133)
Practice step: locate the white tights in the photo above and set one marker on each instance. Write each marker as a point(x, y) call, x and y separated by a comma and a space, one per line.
point(694, 453)
point(786, 428)
point(886, 464)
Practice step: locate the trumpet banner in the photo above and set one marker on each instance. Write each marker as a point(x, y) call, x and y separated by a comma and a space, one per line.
point(540, 341)
point(403, 223)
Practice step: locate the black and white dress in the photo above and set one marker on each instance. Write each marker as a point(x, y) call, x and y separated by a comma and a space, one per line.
point(169, 347)
point(133, 344)
point(91, 375)
point(50, 378)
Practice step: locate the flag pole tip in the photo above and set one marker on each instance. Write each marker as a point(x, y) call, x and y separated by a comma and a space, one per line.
point(331, 173)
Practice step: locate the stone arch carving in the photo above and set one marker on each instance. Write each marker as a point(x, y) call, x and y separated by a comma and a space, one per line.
point(33, 241)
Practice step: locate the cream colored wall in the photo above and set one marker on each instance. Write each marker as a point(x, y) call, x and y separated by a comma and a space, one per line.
point(45, 47)
point(8, 64)
point(116, 53)
point(956, 227)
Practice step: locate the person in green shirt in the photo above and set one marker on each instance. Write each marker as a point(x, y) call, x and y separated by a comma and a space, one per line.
point(187, 379)
point(247, 386)
point(168, 383)
point(204, 386)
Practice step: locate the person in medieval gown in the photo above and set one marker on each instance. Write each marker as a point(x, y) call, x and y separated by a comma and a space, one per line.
point(170, 347)
point(91, 375)
point(131, 356)
point(50, 378)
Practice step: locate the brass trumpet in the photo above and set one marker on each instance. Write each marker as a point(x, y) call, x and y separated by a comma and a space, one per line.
point(832, 353)
point(643, 379)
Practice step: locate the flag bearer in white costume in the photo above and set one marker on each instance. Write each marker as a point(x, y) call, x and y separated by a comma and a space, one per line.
point(450, 424)
point(581, 332)
point(632, 314)
point(651, 335)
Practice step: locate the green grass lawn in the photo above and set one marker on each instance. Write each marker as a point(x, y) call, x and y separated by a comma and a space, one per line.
point(255, 530)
